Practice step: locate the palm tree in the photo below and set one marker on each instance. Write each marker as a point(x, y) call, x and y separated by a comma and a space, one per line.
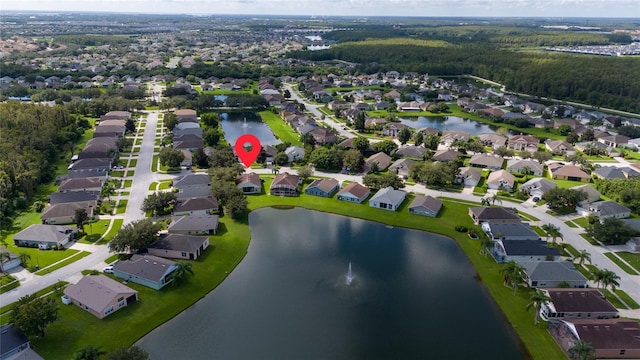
point(514, 275)
point(89, 352)
point(582, 256)
point(552, 231)
point(485, 245)
point(582, 350)
point(495, 198)
point(24, 257)
point(485, 201)
point(609, 278)
point(180, 272)
point(597, 276)
point(538, 297)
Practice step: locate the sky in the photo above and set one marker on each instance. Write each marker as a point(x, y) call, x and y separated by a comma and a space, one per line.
point(466, 8)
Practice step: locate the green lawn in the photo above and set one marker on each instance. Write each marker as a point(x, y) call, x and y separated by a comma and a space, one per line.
point(8, 282)
point(122, 207)
point(280, 129)
point(160, 185)
point(631, 258)
point(582, 222)
point(117, 224)
point(116, 174)
point(613, 299)
point(133, 163)
point(127, 183)
point(571, 224)
point(94, 231)
point(621, 264)
point(627, 299)
point(73, 258)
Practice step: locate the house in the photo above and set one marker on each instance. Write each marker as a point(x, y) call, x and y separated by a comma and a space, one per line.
point(425, 205)
point(100, 295)
point(501, 179)
point(523, 251)
point(44, 236)
point(609, 209)
point(381, 159)
point(568, 172)
point(323, 187)
point(614, 140)
point(500, 230)
point(249, 183)
point(196, 206)
point(593, 195)
point(186, 115)
point(353, 192)
point(525, 167)
point(559, 147)
point(187, 128)
point(449, 136)
point(614, 172)
point(323, 136)
point(537, 187)
point(189, 142)
point(73, 196)
point(410, 151)
point(493, 214)
point(285, 184)
point(179, 246)
point(103, 164)
point(550, 274)
point(610, 338)
point(147, 270)
point(9, 260)
point(401, 167)
point(15, 345)
point(195, 192)
point(493, 140)
point(65, 213)
point(446, 155)
point(294, 153)
point(194, 225)
point(487, 161)
point(568, 303)
point(393, 129)
point(388, 199)
point(523, 143)
point(469, 176)
point(82, 184)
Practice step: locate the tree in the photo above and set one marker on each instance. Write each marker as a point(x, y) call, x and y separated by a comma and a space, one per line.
point(435, 174)
point(159, 203)
point(286, 94)
point(419, 138)
point(201, 159)
point(404, 135)
point(305, 172)
point(552, 231)
point(431, 141)
point(537, 299)
point(211, 137)
point(124, 144)
point(582, 350)
point(224, 157)
point(358, 123)
point(474, 146)
point(89, 352)
point(360, 143)
point(504, 151)
point(541, 156)
point(130, 125)
point(565, 199)
point(32, 314)
point(170, 157)
point(281, 159)
point(588, 135)
point(132, 353)
point(353, 160)
point(80, 218)
point(582, 256)
point(327, 159)
point(236, 206)
point(308, 139)
point(610, 231)
point(382, 181)
point(107, 190)
point(24, 259)
point(134, 236)
point(597, 275)
point(609, 278)
point(181, 271)
point(572, 137)
point(210, 119)
point(485, 201)
point(495, 198)
point(386, 146)
point(513, 275)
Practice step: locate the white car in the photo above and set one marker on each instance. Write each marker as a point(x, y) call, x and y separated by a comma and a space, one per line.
point(108, 269)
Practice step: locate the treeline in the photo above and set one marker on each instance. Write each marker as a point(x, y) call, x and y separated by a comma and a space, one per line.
point(595, 80)
point(31, 139)
point(93, 40)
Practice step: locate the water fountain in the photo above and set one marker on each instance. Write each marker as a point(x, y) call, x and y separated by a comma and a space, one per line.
point(244, 124)
point(349, 277)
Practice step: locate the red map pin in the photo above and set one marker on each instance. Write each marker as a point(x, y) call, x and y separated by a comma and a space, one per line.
point(247, 156)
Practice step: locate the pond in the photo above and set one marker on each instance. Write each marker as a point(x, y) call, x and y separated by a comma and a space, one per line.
point(412, 295)
point(449, 123)
point(235, 124)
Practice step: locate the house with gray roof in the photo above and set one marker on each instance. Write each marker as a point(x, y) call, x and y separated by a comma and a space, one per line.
point(353, 192)
point(15, 345)
point(468, 176)
point(487, 161)
point(614, 172)
point(196, 206)
point(193, 193)
point(187, 128)
point(593, 195)
point(609, 209)
point(192, 181)
point(325, 187)
point(383, 160)
point(92, 163)
point(537, 187)
point(387, 199)
point(493, 214)
point(64, 213)
point(501, 179)
point(425, 205)
point(44, 236)
point(500, 230)
point(525, 167)
point(179, 246)
point(550, 274)
point(401, 167)
point(194, 225)
point(82, 184)
point(285, 184)
point(294, 153)
point(494, 140)
point(446, 155)
point(100, 295)
point(411, 151)
point(147, 270)
point(524, 251)
point(73, 196)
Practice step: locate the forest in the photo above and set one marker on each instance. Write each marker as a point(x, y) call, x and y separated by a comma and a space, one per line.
point(32, 137)
point(596, 80)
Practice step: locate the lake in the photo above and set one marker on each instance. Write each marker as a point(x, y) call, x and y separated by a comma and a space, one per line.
point(414, 295)
point(235, 124)
point(449, 123)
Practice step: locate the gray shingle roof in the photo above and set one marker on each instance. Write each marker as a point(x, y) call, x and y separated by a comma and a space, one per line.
point(606, 208)
point(193, 222)
point(512, 229)
point(529, 247)
point(147, 267)
point(38, 232)
point(389, 195)
point(552, 271)
point(179, 242)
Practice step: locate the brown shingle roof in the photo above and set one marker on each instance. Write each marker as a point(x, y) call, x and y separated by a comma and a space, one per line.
point(325, 184)
point(355, 189)
point(286, 179)
point(579, 300)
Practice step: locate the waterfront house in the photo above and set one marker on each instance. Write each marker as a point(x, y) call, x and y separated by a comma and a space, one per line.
point(285, 184)
point(249, 183)
point(387, 199)
point(100, 295)
point(353, 192)
point(576, 303)
point(547, 274)
point(425, 205)
point(194, 225)
point(323, 187)
point(179, 246)
point(147, 270)
point(493, 214)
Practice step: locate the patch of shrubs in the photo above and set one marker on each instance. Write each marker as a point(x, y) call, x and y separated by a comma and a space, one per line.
point(461, 228)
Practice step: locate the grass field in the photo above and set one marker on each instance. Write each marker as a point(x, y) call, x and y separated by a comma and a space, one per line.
point(621, 264)
point(94, 231)
point(582, 222)
point(632, 258)
point(73, 258)
point(280, 129)
point(627, 299)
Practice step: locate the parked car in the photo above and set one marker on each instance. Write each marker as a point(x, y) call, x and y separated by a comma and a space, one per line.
point(108, 269)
